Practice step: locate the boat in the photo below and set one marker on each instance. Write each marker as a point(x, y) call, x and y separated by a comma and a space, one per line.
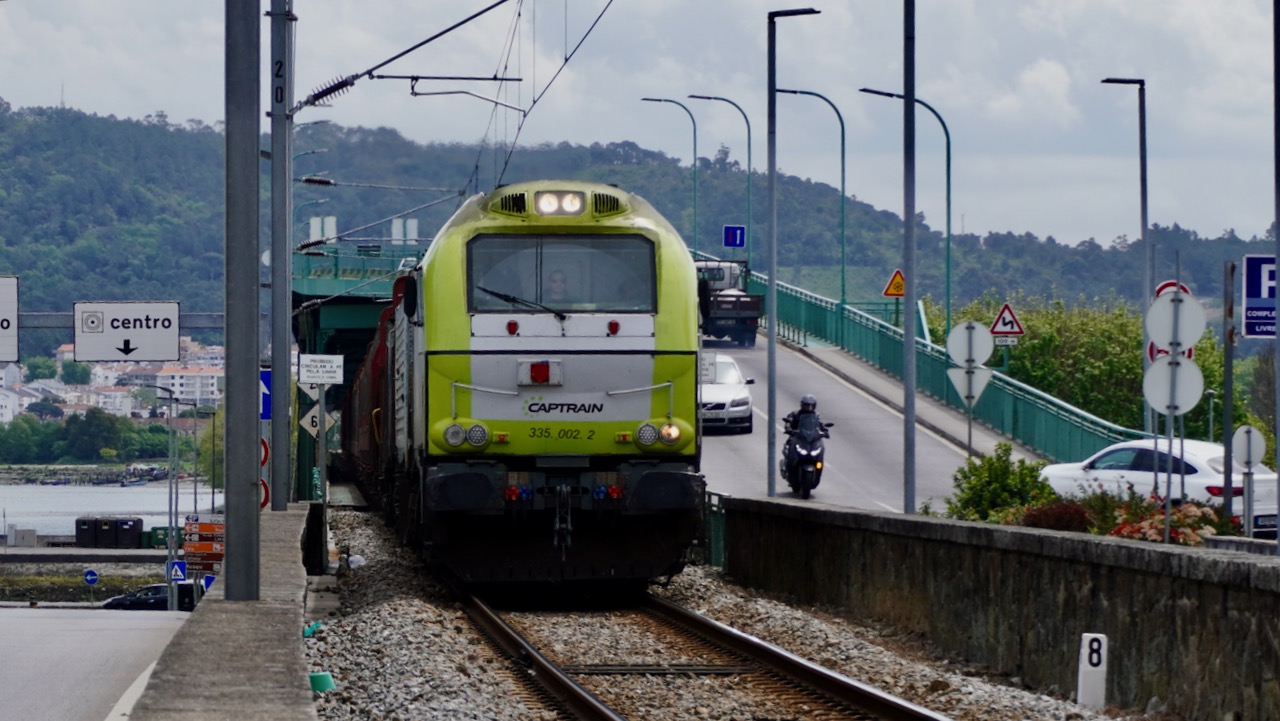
point(131, 482)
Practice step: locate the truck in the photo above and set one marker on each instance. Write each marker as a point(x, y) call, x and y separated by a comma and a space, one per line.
point(727, 309)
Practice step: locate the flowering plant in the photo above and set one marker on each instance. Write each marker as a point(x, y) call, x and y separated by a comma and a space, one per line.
point(1143, 519)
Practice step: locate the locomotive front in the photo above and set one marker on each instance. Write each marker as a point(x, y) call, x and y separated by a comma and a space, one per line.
point(561, 356)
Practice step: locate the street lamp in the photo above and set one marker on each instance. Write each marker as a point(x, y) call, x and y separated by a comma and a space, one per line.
point(839, 117)
point(747, 240)
point(946, 134)
point(171, 550)
point(771, 468)
point(695, 160)
point(1211, 393)
point(1148, 256)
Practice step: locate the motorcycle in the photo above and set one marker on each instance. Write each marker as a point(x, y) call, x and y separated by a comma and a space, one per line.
point(801, 462)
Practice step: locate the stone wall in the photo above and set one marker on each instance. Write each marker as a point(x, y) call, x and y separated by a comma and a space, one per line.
point(1197, 629)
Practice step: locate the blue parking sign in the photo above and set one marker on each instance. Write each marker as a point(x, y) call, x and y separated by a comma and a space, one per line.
point(1258, 297)
point(735, 236)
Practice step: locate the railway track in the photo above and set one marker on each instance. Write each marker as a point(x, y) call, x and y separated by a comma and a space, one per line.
point(643, 659)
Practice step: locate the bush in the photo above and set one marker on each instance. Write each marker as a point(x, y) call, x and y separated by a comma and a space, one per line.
point(989, 483)
point(1058, 516)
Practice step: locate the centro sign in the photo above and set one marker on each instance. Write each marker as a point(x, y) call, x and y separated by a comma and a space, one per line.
point(126, 331)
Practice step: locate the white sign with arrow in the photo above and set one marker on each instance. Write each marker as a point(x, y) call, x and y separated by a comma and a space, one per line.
point(126, 331)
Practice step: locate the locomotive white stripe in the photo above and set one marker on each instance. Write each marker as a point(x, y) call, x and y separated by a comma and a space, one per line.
point(584, 395)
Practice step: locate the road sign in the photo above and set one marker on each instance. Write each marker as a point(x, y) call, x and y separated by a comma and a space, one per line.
point(126, 331)
point(1161, 315)
point(264, 394)
point(1007, 323)
point(1173, 387)
point(1248, 446)
point(326, 369)
point(264, 493)
point(1169, 285)
point(897, 286)
point(1258, 297)
point(207, 581)
point(969, 343)
point(312, 390)
point(176, 570)
point(91, 576)
point(1154, 351)
point(266, 452)
point(735, 236)
point(311, 421)
point(8, 319)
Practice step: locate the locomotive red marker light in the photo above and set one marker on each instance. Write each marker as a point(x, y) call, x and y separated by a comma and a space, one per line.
point(615, 492)
point(613, 327)
point(499, 437)
point(622, 437)
point(540, 372)
point(511, 493)
point(512, 327)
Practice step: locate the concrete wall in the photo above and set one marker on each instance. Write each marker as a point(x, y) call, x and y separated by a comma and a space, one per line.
point(1197, 629)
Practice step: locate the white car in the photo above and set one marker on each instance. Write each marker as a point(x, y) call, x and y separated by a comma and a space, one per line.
point(724, 399)
point(1137, 464)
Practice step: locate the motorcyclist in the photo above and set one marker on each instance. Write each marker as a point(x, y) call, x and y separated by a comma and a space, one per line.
point(808, 404)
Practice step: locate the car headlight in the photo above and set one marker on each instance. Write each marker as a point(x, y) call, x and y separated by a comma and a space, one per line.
point(742, 402)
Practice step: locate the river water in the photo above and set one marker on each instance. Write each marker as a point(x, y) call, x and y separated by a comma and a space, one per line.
point(53, 510)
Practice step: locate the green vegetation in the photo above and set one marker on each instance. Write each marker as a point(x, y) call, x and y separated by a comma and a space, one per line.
point(997, 490)
point(95, 436)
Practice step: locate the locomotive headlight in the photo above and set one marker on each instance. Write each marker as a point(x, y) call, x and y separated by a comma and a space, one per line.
point(670, 433)
point(477, 435)
point(647, 434)
point(454, 435)
point(558, 202)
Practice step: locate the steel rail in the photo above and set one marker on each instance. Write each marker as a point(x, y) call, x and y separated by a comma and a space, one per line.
point(576, 699)
point(805, 673)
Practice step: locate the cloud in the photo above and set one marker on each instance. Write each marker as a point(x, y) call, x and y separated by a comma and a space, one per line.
point(1042, 94)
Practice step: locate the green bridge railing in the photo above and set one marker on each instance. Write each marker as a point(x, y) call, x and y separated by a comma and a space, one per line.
point(1041, 422)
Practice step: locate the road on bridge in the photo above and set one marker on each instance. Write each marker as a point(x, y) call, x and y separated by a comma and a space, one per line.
point(864, 456)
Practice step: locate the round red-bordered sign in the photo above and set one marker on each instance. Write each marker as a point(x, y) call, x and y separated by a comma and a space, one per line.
point(264, 491)
point(266, 452)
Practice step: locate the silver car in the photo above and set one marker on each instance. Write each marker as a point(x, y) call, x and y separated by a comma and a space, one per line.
point(1145, 465)
point(724, 399)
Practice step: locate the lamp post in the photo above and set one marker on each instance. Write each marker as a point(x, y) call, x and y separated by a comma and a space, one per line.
point(695, 160)
point(745, 119)
point(1148, 259)
point(839, 117)
point(171, 550)
point(1211, 393)
point(771, 468)
point(947, 135)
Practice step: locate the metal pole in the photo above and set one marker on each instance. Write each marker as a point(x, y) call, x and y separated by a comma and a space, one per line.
point(771, 453)
point(844, 298)
point(243, 89)
point(1228, 377)
point(946, 133)
point(694, 165)
point(279, 470)
point(747, 240)
point(909, 258)
point(171, 536)
point(1148, 420)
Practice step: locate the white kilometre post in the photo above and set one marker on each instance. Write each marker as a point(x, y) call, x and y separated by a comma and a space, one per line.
point(1091, 679)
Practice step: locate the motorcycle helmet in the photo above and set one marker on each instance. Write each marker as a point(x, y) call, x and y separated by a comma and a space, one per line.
point(809, 404)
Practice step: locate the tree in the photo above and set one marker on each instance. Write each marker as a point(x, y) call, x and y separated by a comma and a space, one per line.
point(75, 374)
point(39, 367)
point(44, 409)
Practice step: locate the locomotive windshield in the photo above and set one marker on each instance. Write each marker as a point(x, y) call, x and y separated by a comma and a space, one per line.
point(595, 273)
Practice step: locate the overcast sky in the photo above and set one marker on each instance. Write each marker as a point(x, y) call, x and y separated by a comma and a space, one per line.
point(1039, 145)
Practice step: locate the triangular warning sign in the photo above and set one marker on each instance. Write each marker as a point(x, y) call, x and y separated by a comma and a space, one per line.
point(897, 286)
point(1006, 323)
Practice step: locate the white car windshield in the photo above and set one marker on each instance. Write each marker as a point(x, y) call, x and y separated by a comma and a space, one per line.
point(727, 372)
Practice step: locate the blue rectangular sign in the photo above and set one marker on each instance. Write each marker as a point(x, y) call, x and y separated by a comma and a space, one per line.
point(1258, 294)
point(735, 236)
point(264, 395)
